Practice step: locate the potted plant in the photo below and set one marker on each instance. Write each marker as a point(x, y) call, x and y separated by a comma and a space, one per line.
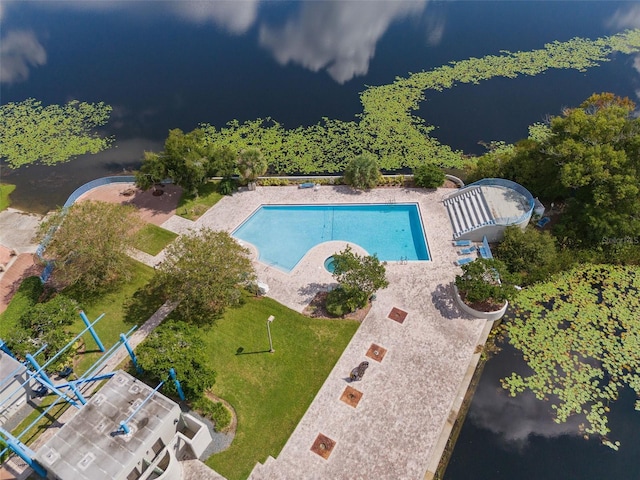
point(484, 288)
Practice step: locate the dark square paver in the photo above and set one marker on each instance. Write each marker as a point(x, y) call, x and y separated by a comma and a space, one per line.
point(351, 396)
point(376, 352)
point(323, 446)
point(397, 315)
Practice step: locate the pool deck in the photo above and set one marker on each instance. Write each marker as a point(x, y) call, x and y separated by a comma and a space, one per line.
point(412, 396)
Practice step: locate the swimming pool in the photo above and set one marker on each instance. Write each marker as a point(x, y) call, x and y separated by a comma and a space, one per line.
point(283, 234)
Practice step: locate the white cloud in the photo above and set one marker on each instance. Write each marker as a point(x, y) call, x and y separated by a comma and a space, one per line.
point(625, 18)
point(338, 36)
point(19, 50)
point(236, 16)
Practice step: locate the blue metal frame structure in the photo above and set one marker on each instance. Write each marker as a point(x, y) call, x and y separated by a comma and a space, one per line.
point(37, 372)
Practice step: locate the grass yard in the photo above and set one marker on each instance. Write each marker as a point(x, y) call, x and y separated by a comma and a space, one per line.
point(193, 207)
point(152, 239)
point(5, 191)
point(118, 319)
point(42, 424)
point(27, 295)
point(269, 391)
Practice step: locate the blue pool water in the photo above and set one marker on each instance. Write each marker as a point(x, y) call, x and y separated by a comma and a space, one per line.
point(283, 234)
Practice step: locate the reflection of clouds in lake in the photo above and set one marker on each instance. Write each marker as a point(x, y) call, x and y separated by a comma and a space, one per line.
point(435, 30)
point(19, 50)
point(235, 16)
point(514, 419)
point(338, 36)
point(625, 18)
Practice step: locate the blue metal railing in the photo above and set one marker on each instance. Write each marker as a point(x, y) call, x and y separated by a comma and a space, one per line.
point(98, 182)
point(77, 193)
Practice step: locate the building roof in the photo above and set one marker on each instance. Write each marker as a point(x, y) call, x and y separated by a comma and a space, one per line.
point(91, 445)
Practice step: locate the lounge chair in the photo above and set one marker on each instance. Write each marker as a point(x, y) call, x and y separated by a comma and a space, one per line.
point(543, 222)
point(462, 243)
point(307, 185)
point(464, 261)
point(466, 251)
point(484, 253)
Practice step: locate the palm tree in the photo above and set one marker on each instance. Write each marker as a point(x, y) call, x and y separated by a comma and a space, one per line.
point(251, 165)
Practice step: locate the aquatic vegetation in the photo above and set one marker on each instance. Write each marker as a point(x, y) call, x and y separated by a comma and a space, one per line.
point(56, 133)
point(580, 335)
point(388, 126)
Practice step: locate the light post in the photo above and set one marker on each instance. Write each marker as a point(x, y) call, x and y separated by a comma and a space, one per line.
point(269, 320)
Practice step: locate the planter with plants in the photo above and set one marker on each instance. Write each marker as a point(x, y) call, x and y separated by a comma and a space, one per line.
point(484, 289)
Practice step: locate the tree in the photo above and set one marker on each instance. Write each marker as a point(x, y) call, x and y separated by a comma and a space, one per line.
point(597, 150)
point(589, 157)
point(45, 323)
point(53, 134)
point(152, 171)
point(362, 172)
point(223, 162)
point(205, 273)
point(177, 345)
point(186, 160)
point(578, 334)
point(359, 277)
point(89, 243)
point(428, 175)
point(485, 281)
point(531, 255)
point(251, 164)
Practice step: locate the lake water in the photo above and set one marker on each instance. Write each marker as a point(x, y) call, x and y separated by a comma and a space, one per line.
point(164, 65)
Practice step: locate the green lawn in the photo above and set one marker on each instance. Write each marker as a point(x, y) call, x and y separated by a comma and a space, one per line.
point(5, 191)
point(27, 295)
point(118, 318)
point(269, 391)
point(153, 239)
point(192, 207)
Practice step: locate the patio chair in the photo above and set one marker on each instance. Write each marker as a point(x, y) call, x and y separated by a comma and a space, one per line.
point(462, 243)
point(463, 261)
point(543, 222)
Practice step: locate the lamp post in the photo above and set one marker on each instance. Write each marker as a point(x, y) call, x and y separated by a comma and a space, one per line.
point(269, 320)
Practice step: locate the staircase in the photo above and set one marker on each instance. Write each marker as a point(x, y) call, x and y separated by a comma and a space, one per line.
point(468, 210)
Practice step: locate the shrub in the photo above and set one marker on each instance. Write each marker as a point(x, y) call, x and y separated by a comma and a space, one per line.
point(217, 412)
point(392, 181)
point(337, 303)
point(362, 172)
point(274, 182)
point(428, 175)
point(485, 281)
point(529, 254)
point(227, 186)
point(359, 278)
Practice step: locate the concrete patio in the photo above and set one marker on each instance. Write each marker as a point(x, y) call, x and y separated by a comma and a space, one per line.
point(411, 397)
